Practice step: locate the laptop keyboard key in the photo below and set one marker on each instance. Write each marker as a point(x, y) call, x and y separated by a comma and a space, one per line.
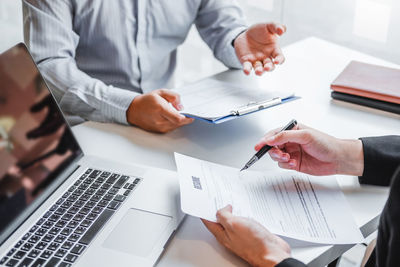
point(48, 224)
point(25, 262)
point(3, 260)
point(34, 253)
point(54, 230)
point(46, 254)
point(119, 198)
point(114, 205)
point(40, 232)
point(34, 239)
point(19, 244)
point(78, 249)
point(67, 217)
point(60, 239)
point(26, 236)
point(96, 227)
point(19, 254)
point(70, 258)
point(67, 245)
point(41, 245)
point(53, 246)
point(27, 247)
point(12, 262)
point(72, 224)
point(53, 262)
point(85, 223)
point(66, 231)
point(11, 252)
point(61, 252)
point(61, 223)
point(47, 238)
point(74, 237)
point(39, 263)
point(80, 230)
point(121, 182)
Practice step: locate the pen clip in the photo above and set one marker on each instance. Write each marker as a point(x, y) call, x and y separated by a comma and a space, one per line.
point(254, 106)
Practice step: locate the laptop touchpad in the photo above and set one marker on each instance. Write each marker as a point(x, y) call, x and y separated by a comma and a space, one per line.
point(138, 232)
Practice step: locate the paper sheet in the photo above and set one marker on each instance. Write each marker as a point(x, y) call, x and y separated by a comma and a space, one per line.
point(287, 203)
point(212, 99)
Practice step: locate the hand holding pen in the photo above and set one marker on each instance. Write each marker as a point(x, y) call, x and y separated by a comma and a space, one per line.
point(266, 148)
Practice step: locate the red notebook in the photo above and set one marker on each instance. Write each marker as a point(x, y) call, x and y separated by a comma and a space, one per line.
point(370, 81)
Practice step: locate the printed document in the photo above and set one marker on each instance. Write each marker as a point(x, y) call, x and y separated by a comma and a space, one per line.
point(213, 100)
point(287, 203)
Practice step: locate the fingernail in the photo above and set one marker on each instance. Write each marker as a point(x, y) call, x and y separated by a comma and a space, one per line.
point(292, 164)
point(180, 107)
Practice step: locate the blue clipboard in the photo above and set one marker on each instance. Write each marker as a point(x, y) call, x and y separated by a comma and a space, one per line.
point(246, 110)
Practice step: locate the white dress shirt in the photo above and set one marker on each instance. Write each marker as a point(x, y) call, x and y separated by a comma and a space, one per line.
point(97, 55)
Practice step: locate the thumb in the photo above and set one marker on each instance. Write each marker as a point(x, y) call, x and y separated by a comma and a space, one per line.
point(276, 28)
point(172, 98)
point(223, 216)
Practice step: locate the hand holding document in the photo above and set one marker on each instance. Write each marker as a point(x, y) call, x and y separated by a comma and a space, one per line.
point(215, 101)
point(287, 203)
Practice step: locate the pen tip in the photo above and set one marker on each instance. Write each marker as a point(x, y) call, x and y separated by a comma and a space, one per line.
point(243, 169)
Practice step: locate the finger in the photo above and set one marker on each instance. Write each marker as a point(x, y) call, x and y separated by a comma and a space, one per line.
point(258, 68)
point(300, 137)
point(279, 155)
point(290, 165)
point(247, 66)
point(268, 65)
point(172, 98)
point(276, 28)
point(278, 57)
point(224, 215)
point(215, 228)
point(172, 115)
point(262, 142)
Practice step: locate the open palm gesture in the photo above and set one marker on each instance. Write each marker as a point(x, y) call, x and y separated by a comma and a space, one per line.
point(258, 47)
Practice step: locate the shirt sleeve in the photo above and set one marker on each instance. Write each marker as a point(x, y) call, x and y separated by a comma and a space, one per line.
point(381, 159)
point(49, 34)
point(219, 22)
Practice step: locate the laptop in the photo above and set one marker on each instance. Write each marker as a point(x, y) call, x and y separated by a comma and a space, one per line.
point(59, 207)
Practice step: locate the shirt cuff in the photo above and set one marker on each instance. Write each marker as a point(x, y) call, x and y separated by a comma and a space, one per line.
point(290, 262)
point(117, 103)
point(229, 56)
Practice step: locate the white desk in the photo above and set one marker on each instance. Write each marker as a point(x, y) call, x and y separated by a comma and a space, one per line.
point(311, 66)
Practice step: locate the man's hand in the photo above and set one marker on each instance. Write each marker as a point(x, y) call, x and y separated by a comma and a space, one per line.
point(154, 113)
point(307, 150)
point(248, 239)
point(258, 47)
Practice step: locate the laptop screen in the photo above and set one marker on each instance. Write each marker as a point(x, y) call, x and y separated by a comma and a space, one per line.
point(36, 145)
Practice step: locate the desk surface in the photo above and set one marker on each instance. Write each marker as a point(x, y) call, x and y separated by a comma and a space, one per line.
point(311, 66)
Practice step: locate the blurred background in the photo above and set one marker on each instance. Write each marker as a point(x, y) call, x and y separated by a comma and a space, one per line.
point(369, 26)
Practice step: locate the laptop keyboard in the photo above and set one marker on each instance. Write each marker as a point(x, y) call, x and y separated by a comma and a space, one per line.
point(63, 233)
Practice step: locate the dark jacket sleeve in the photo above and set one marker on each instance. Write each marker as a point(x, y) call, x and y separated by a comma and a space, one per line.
point(290, 263)
point(381, 159)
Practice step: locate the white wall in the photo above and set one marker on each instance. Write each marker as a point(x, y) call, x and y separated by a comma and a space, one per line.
point(10, 23)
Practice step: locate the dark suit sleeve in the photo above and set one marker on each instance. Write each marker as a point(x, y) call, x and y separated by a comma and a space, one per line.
point(290, 263)
point(381, 159)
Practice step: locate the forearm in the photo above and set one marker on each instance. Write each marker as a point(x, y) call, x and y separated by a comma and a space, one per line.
point(89, 98)
point(219, 23)
point(49, 33)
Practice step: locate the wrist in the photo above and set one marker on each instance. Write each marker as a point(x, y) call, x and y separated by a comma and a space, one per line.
point(351, 158)
point(272, 259)
point(130, 114)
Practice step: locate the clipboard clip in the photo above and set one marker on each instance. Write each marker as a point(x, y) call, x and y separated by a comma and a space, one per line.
point(254, 106)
